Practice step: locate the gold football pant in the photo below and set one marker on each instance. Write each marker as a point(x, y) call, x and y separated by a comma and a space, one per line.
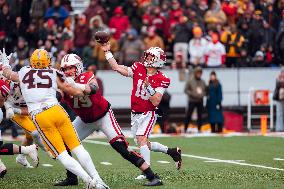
point(56, 129)
point(25, 122)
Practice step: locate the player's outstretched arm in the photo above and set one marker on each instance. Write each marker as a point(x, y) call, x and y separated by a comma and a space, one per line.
point(7, 71)
point(123, 70)
point(67, 88)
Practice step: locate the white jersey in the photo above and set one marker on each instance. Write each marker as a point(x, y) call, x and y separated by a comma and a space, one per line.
point(215, 53)
point(38, 87)
point(16, 98)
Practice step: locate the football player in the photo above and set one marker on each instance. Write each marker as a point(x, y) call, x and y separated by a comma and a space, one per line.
point(38, 84)
point(16, 110)
point(94, 112)
point(9, 148)
point(149, 85)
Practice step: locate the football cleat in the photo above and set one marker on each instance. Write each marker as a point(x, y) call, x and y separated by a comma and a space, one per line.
point(33, 154)
point(67, 182)
point(154, 182)
point(175, 153)
point(141, 177)
point(22, 160)
point(96, 184)
point(3, 169)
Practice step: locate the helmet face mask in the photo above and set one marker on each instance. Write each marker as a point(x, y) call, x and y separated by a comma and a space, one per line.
point(154, 57)
point(69, 61)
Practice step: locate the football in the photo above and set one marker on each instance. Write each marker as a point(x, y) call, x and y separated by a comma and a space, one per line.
point(102, 37)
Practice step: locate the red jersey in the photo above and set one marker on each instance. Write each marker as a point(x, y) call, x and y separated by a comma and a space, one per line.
point(89, 108)
point(140, 96)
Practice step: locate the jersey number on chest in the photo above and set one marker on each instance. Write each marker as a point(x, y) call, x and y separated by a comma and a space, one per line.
point(43, 79)
point(82, 102)
point(141, 91)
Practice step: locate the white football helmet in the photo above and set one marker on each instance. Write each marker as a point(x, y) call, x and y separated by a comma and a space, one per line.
point(72, 60)
point(159, 57)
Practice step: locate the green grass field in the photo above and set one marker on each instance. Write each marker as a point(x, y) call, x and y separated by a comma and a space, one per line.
point(195, 173)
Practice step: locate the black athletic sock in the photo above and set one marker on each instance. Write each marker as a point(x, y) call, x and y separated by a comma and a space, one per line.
point(149, 173)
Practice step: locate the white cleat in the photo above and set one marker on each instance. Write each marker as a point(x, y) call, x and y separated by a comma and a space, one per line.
point(96, 184)
point(140, 177)
point(22, 160)
point(3, 169)
point(34, 155)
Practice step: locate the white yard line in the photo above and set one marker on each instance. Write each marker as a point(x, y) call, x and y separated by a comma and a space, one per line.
point(278, 159)
point(200, 157)
point(105, 163)
point(223, 160)
point(47, 165)
point(163, 162)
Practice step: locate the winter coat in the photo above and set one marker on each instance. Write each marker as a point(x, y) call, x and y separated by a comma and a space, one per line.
point(214, 100)
point(120, 24)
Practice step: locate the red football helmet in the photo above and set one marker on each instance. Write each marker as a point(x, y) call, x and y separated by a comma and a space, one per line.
point(158, 60)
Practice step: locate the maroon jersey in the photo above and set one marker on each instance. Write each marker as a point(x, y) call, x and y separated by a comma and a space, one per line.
point(89, 108)
point(140, 96)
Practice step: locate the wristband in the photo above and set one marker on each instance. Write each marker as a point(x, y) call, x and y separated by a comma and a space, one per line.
point(17, 111)
point(151, 90)
point(108, 55)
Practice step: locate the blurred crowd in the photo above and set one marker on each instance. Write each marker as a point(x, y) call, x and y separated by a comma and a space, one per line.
point(207, 33)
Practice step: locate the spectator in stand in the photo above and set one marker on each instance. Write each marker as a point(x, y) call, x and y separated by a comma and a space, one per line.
point(278, 96)
point(268, 34)
point(175, 12)
point(82, 35)
point(271, 16)
point(52, 50)
point(5, 19)
point(214, 104)
point(38, 9)
point(215, 53)
point(202, 7)
point(197, 47)
point(153, 39)
point(119, 22)
point(88, 54)
point(159, 22)
point(100, 55)
point(18, 29)
point(32, 35)
point(93, 68)
point(215, 15)
point(259, 60)
point(195, 89)
point(245, 59)
point(134, 13)
point(182, 34)
point(178, 62)
point(279, 45)
point(95, 9)
point(20, 8)
point(233, 41)
point(230, 9)
point(256, 32)
point(57, 12)
point(21, 54)
point(132, 48)
point(96, 24)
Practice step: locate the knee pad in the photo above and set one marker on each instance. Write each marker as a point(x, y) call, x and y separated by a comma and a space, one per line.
point(130, 156)
point(6, 149)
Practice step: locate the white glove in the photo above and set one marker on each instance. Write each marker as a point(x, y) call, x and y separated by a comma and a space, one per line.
point(70, 81)
point(9, 113)
point(9, 110)
point(5, 59)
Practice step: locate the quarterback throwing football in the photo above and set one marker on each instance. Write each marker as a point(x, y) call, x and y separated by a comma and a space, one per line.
point(149, 85)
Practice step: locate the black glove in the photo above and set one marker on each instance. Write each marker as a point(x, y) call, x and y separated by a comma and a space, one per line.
point(94, 88)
